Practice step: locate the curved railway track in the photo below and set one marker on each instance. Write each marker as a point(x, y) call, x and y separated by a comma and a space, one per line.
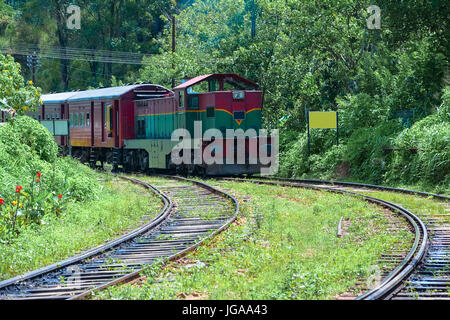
point(192, 213)
point(424, 273)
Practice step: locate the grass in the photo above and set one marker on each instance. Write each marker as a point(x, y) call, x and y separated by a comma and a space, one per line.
point(424, 208)
point(121, 206)
point(189, 195)
point(283, 246)
point(422, 186)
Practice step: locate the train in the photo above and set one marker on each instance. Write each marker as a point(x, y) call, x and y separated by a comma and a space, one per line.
point(132, 126)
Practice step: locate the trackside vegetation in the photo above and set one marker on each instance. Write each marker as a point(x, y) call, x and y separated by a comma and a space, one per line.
point(34, 181)
point(51, 207)
point(120, 207)
point(385, 153)
point(283, 246)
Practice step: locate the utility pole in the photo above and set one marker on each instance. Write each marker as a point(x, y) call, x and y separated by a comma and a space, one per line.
point(173, 49)
point(33, 63)
point(253, 18)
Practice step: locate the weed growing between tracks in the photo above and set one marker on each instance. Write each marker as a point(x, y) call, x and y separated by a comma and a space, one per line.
point(121, 206)
point(283, 246)
point(424, 208)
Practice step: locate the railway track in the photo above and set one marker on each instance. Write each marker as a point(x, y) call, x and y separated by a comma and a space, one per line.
point(422, 273)
point(192, 213)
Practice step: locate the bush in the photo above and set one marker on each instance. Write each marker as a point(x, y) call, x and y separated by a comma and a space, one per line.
point(26, 132)
point(360, 111)
point(431, 163)
point(28, 159)
point(324, 159)
point(364, 152)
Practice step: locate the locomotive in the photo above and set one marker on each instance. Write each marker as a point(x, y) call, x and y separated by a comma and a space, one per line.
point(131, 126)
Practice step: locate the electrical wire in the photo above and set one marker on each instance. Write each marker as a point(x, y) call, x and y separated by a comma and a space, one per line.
point(69, 53)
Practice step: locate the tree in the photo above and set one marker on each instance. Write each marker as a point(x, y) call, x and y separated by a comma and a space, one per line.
point(16, 97)
point(6, 16)
point(125, 25)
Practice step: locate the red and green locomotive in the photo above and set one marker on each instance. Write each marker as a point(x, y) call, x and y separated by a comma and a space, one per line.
point(132, 126)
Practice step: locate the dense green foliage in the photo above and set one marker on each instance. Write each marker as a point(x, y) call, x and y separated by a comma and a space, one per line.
point(431, 136)
point(29, 162)
point(127, 26)
point(83, 225)
point(34, 181)
point(15, 96)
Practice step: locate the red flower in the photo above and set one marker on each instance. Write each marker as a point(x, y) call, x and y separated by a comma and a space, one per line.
point(60, 196)
point(2, 201)
point(18, 189)
point(38, 174)
point(37, 180)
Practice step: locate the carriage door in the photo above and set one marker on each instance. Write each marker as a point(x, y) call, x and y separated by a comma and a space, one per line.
point(62, 117)
point(116, 123)
point(91, 123)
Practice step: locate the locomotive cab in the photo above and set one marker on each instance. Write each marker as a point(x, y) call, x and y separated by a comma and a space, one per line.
point(222, 102)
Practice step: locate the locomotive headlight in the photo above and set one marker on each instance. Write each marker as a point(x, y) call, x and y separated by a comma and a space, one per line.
point(238, 95)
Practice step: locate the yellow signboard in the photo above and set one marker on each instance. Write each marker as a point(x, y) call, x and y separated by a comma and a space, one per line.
point(323, 120)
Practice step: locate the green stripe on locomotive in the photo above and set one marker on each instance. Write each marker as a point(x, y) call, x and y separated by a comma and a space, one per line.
point(162, 126)
point(225, 120)
point(159, 128)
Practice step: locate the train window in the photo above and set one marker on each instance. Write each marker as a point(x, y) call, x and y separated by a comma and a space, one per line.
point(103, 122)
point(193, 102)
point(88, 120)
point(181, 99)
point(111, 115)
point(75, 120)
point(239, 115)
point(141, 127)
point(238, 95)
point(213, 85)
point(142, 104)
point(228, 86)
point(82, 120)
point(71, 120)
point(39, 117)
point(202, 87)
point(57, 116)
point(210, 112)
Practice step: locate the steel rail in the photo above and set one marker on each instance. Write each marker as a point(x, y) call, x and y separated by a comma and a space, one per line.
point(154, 224)
point(417, 252)
point(162, 215)
point(178, 255)
point(362, 185)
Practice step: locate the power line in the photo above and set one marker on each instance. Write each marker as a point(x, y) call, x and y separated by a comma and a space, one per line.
point(69, 53)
